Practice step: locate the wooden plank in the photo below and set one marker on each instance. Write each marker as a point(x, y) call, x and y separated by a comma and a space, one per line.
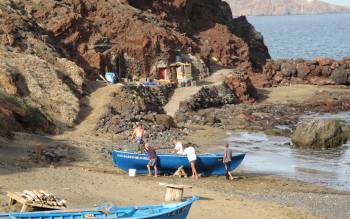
point(12, 201)
point(26, 208)
point(17, 197)
point(175, 186)
point(27, 205)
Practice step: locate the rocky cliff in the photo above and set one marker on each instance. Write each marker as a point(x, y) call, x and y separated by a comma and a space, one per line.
point(48, 49)
point(283, 7)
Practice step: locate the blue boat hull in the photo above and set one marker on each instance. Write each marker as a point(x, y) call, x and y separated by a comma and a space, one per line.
point(207, 164)
point(164, 211)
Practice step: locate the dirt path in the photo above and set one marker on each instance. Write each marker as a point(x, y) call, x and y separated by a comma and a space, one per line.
point(93, 107)
point(185, 93)
point(180, 94)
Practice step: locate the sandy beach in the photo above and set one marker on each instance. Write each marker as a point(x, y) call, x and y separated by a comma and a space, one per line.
point(87, 178)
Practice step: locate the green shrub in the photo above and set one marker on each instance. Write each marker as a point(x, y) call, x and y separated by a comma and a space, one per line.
point(35, 118)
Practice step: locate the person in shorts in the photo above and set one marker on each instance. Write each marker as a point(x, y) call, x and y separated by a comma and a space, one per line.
point(138, 133)
point(190, 152)
point(152, 159)
point(227, 161)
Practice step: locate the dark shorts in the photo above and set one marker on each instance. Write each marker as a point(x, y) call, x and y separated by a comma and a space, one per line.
point(138, 140)
point(227, 165)
point(152, 162)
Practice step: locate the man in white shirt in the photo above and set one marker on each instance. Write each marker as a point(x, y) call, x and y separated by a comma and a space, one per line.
point(192, 158)
point(179, 149)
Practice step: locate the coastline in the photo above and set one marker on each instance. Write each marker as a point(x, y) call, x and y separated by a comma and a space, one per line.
point(92, 180)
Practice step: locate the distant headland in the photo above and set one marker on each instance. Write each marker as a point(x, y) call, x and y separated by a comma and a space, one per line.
point(283, 7)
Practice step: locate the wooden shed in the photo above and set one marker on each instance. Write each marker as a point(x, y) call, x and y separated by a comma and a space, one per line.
point(180, 71)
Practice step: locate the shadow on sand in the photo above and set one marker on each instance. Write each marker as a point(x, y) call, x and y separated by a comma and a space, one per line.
point(20, 154)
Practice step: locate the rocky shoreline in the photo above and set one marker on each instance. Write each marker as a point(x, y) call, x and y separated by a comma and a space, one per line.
point(321, 71)
point(265, 116)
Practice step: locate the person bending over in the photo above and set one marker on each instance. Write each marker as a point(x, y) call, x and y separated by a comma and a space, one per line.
point(152, 159)
point(190, 152)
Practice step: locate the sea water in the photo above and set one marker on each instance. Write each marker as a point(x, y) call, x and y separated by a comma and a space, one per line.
point(305, 36)
point(275, 155)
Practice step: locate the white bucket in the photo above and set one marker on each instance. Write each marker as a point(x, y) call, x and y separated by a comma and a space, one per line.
point(132, 172)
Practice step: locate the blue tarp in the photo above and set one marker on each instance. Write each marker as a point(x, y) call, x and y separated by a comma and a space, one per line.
point(110, 77)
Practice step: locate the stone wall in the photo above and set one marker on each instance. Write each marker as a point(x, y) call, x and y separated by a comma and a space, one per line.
point(320, 71)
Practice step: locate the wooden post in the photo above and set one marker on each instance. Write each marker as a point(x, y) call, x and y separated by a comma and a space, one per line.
point(173, 194)
point(38, 152)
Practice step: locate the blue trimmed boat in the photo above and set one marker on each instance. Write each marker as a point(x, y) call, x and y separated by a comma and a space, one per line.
point(164, 211)
point(207, 164)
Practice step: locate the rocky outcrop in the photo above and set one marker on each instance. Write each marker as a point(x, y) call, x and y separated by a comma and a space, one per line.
point(283, 7)
point(318, 134)
point(34, 69)
point(208, 97)
point(47, 87)
point(242, 88)
point(320, 71)
point(236, 88)
point(258, 52)
point(140, 104)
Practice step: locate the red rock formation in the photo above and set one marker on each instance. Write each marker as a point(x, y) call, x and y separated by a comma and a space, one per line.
point(133, 35)
point(242, 87)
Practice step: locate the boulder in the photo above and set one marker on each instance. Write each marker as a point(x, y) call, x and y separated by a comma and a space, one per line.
point(324, 61)
point(341, 76)
point(318, 134)
point(278, 77)
point(288, 70)
point(165, 121)
point(326, 71)
point(302, 70)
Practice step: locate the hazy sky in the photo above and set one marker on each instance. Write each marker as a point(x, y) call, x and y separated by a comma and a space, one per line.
point(339, 2)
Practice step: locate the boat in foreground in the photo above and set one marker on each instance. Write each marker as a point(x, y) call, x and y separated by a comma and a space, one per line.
point(164, 211)
point(207, 164)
